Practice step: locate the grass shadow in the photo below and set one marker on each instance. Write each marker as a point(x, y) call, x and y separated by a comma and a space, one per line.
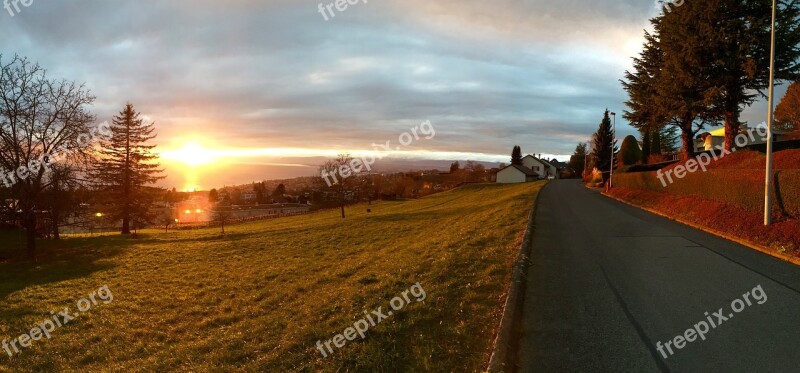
point(59, 261)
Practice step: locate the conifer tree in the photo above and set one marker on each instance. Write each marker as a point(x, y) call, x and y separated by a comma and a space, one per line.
point(516, 156)
point(604, 144)
point(127, 167)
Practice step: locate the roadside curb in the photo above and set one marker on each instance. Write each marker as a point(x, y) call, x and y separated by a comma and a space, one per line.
point(504, 354)
point(726, 236)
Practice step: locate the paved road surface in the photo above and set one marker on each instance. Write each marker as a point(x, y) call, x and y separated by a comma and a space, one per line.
point(609, 281)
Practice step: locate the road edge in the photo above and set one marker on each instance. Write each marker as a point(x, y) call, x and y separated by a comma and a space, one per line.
point(504, 354)
point(726, 236)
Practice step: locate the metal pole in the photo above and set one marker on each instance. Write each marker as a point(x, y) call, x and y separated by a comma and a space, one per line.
point(770, 117)
point(613, 139)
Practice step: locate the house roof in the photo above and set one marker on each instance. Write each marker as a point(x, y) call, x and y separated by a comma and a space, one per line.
point(523, 169)
point(542, 161)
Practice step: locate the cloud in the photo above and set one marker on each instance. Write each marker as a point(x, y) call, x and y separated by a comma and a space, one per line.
point(275, 74)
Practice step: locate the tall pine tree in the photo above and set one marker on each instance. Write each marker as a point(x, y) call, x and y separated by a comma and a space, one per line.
point(127, 166)
point(604, 144)
point(577, 162)
point(516, 156)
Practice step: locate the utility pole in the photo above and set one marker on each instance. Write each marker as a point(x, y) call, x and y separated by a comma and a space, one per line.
point(770, 118)
point(613, 140)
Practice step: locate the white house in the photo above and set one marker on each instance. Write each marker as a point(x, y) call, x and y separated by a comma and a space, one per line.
point(516, 174)
point(542, 167)
point(249, 195)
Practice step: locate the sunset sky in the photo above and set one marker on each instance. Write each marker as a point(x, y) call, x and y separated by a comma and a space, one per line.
point(256, 81)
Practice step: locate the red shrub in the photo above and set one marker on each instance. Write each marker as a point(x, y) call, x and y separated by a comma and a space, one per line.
point(787, 159)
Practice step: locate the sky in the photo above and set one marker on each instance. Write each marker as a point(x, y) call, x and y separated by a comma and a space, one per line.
point(260, 82)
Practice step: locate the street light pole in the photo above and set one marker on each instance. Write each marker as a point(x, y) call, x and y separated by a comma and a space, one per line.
point(770, 118)
point(613, 139)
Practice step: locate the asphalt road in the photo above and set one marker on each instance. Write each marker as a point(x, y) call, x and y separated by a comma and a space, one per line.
point(608, 282)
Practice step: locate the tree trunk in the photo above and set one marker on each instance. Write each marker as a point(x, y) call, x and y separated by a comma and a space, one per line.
point(731, 129)
point(56, 216)
point(342, 210)
point(56, 234)
point(687, 139)
point(30, 235)
point(126, 226)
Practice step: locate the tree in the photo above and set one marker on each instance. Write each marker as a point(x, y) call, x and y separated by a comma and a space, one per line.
point(345, 176)
point(454, 167)
point(213, 196)
point(787, 114)
point(60, 197)
point(42, 121)
point(577, 162)
point(167, 219)
point(261, 192)
point(279, 191)
point(366, 188)
point(742, 50)
point(604, 145)
point(126, 166)
point(516, 156)
point(647, 141)
point(629, 152)
point(222, 215)
point(724, 65)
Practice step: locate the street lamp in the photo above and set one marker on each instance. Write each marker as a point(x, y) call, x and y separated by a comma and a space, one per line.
point(770, 117)
point(613, 139)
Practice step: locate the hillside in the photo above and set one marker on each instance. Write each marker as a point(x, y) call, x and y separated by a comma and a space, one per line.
point(261, 297)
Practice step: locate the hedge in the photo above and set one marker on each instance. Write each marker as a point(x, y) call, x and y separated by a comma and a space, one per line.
point(744, 188)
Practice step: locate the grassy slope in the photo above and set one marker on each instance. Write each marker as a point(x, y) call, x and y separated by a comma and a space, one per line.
point(259, 299)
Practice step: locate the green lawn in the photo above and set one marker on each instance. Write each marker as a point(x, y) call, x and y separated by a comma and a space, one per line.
point(260, 298)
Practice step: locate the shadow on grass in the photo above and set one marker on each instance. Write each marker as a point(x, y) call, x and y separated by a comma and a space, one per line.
point(58, 261)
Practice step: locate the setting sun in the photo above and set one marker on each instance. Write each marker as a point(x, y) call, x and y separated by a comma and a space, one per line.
point(192, 154)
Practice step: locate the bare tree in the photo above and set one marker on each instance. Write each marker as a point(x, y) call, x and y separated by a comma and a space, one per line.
point(41, 121)
point(339, 175)
point(222, 215)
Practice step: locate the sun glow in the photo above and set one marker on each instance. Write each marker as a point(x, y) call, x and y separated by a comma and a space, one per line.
point(191, 154)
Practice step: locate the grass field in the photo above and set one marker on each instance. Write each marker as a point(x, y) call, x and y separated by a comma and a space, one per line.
point(260, 298)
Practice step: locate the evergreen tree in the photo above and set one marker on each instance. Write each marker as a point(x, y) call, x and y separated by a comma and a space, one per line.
point(655, 147)
point(279, 191)
point(629, 152)
point(577, 162)
point(213, 196)
point(604, 145)
point(516, 156)
point(647, 136)
point(126, 167)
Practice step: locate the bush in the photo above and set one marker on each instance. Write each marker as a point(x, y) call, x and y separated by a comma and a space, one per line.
point(744, 188)
point(630, 153)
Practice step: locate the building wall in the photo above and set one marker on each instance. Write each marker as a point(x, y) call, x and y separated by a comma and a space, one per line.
point(533, 164)
point(510, 176)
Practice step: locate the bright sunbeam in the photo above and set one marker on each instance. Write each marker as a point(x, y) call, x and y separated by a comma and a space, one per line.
point(192, 154)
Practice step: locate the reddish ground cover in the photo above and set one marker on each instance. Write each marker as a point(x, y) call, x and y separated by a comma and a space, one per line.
point(782, 237)
point(787, 160)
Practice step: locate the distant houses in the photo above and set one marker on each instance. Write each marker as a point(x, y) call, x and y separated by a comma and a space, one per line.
point(532, 169)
